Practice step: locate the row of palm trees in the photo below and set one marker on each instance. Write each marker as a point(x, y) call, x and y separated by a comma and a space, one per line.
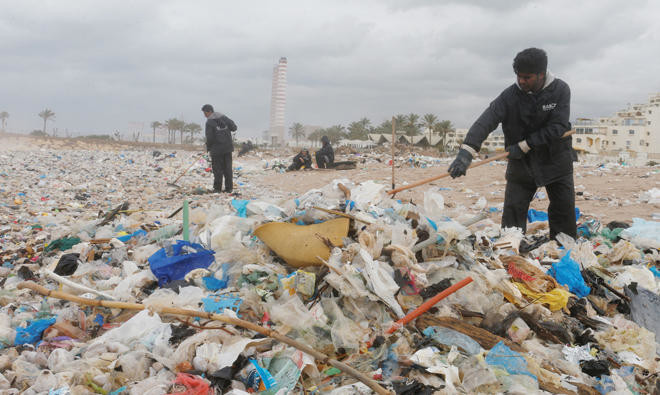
point(174, 125)
point(45, 115)
point(411, 124)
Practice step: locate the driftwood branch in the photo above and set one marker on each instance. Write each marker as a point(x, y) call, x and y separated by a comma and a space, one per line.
point(215, 317)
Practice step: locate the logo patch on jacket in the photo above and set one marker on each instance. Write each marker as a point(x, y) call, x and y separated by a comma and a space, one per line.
point(549, 107)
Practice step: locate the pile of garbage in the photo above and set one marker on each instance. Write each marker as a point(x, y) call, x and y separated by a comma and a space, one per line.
point(341, 290)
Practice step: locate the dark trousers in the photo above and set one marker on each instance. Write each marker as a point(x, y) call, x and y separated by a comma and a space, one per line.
point(561, 211)
point(322, 161)
point(221, 164)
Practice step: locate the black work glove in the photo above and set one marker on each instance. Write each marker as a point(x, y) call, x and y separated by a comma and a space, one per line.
point(515, 152)
point(460, 165)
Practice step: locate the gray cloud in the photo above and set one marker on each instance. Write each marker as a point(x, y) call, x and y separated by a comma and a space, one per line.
point(103, 66)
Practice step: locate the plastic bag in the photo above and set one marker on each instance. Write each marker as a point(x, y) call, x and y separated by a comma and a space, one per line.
point(380, 281)
point(32, 332)
point(503, 357)
point(636, 274)
point(184, 257)
point(644, 308)
point(345, 333)
point(567, 272)
point(290, 311)
point(450, 337)
point(478, 379)
point(625, 335)
point(367, 193)
point(555, 299)
point(434, 205)
point(644, 234)
point(195, 385)
point(59, 360)
point(142, 327)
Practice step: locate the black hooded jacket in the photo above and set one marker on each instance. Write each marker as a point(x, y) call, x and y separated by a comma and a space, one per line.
point(218, 134)
point(326, 150)
point(540, 118)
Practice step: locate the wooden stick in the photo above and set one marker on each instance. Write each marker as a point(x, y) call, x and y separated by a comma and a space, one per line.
point(443, 175)
point(393, 128)
point(215, 317)
point(347, 192)
point(75, 285)
point(336, 212)
point(501, 156)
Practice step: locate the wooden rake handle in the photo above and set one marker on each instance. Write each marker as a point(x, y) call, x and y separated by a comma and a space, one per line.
point(501, 156)
point(443, 175)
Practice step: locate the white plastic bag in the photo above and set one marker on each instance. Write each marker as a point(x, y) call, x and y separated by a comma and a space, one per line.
point(380, 280)
point(434, 205)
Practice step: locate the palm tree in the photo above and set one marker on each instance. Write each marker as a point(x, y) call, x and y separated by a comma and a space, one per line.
point(412, 124)
point(359, 130)
point(155, 125)
point(444, 127)
point(385, 127)
point(297, 131)
point(315, 135)
point(46, 115)
point(400, 120)
point(180, 126)
point(335, 133)
point(192, 128)
point(3, 116)
point(172, 126)
point(429, 121)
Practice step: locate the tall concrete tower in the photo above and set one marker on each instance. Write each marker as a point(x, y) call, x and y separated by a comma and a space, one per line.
point(278, 103)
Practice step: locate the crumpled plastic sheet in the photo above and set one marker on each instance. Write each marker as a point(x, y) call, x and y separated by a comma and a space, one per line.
point(644, 308)
point(644, 234)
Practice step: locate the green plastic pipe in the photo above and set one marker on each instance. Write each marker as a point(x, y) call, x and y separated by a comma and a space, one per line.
point(186, 233)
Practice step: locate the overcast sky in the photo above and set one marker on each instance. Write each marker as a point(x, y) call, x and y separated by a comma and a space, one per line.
point(110, 65)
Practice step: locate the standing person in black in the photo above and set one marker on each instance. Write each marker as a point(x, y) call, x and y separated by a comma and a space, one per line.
point(326, 155)
point(220, 145)
point(534, 113)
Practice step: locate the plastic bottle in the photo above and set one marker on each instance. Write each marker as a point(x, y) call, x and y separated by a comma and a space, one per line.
point(164, 233)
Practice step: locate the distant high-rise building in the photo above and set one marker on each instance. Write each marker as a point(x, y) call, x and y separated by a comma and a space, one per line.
point(278, 103)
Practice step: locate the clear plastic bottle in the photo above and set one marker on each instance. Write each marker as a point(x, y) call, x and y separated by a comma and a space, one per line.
point(164, 233)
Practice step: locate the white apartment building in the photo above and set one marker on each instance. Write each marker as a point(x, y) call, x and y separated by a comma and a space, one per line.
point(494, 142)
point(634, 131)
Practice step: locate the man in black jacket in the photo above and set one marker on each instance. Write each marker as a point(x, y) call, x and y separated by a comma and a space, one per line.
point(302, 160)
point(220, 145)
point(534, 113)
point(326, 155)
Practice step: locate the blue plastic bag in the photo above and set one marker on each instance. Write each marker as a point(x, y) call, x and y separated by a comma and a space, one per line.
point(213, 284)
point(32, 333)
point(185, 257)
point(536, 215)
point(567, 272)
point(503, 357)
point(241, 207)
point(126, 238)
point(218, 303)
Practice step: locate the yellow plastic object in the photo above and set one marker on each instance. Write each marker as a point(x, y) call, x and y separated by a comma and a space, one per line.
point(555, 299)
point(300, 245)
